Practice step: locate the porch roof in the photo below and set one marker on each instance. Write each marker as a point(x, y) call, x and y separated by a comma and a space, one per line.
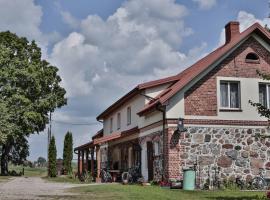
point(85, 146)
point(116, 135)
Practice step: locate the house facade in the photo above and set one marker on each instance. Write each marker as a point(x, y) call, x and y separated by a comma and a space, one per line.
point(212, 96)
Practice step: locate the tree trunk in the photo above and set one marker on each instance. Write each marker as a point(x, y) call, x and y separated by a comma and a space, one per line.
point(4, 160)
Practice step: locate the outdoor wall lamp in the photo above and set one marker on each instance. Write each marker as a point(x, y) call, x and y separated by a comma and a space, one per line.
point(180, 125)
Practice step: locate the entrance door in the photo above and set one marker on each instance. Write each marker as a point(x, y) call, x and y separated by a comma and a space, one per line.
point(150, 160)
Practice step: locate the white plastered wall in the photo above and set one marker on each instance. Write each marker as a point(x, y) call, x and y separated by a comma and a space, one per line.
point(136, 105)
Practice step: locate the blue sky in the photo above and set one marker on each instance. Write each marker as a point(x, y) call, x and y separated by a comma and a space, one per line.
point(104, 48)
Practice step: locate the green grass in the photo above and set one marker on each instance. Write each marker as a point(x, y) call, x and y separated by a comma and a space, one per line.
point(28, 171)
point(121, 192)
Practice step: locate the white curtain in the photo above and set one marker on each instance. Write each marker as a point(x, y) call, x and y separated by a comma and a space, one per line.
point(224, 95)
point(262, 94)
point(234, 95)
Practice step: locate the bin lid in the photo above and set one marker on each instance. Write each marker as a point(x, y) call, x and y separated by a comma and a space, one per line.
point(188, 169)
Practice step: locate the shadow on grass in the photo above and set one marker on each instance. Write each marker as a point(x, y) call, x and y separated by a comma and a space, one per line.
point(255, 197)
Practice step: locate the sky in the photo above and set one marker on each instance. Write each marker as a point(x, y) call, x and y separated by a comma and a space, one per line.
point(105, 48)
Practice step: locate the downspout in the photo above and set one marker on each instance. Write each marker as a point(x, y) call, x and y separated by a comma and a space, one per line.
point(163, 110)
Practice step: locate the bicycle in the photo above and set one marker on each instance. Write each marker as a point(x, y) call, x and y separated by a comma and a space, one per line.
point(132, 175)
point(105, 176)
point(259, 182)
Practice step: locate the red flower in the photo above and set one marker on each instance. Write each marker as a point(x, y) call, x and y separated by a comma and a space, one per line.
point(268, 194)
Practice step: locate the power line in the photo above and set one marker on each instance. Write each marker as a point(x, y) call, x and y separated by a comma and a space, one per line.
point(76, 123)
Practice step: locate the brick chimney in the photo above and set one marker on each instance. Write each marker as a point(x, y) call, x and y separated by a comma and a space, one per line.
point(231, 30)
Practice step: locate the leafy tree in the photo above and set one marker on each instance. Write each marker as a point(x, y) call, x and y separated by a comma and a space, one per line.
point(29, 90)
point(41, 161)
point(68, 152)
point(52, 171)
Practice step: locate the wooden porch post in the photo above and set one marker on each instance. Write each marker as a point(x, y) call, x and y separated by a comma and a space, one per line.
point(87, 158)
point(92, 161)
point(98, 164)
point(83, 167)
point(79, 162)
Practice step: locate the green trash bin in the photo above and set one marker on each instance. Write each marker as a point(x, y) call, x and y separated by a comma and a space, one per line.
point(189, 179)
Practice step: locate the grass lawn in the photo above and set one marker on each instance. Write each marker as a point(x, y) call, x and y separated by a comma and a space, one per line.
point(119, 192)
point(28, 171)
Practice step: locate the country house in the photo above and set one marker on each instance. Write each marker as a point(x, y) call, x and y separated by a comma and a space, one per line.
point(211, 99)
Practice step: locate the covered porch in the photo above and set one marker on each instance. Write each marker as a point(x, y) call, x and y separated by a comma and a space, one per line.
point(88, 160)
point(120, 152)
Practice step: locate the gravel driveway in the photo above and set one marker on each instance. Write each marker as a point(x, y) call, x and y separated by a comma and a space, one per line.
point(33, 188)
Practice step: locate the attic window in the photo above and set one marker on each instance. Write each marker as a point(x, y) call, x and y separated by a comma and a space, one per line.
point(252, 57)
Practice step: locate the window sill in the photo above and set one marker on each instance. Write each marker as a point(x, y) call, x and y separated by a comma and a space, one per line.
point(253, 61)
point(230, 110)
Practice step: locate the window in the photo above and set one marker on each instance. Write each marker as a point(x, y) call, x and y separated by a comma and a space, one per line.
point(264, 92)
point(118, 121)
point(230, 95)
point(111, 125)
point(252, 56)
point(128, 116)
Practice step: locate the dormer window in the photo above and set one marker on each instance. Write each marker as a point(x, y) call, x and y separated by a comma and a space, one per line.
point(252, 57)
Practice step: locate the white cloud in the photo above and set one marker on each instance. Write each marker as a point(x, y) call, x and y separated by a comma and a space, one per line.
point(69, 19)
point(24, 19)
point(139, 42)
point(205, 4)
point(246, 20)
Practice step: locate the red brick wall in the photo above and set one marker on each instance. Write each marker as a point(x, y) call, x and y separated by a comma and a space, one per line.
point(172, 151)
point(201, 99)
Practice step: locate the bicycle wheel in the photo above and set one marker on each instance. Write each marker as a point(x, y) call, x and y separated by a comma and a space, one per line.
point(108, 177)
point(258, 183)
point(125, 177)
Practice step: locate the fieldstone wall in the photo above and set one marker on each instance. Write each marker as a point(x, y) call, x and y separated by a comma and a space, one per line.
point(157, 158)
point(237, 151)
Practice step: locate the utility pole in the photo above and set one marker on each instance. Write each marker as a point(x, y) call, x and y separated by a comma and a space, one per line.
point(49, 138)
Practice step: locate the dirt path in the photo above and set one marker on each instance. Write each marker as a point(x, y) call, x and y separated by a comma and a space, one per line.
point(33, 188)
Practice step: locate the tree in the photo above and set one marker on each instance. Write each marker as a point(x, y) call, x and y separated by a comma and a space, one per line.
point(68, 152)
point(52, 171)
point(29, 90)
point(41, 161)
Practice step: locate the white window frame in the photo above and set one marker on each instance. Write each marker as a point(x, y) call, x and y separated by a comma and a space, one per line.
point(128, 115)
point(229, 94)
point(111, 124)
point(118, 121)
point(267, 93)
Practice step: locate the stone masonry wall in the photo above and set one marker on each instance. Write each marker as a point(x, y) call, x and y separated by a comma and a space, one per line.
point(237, 151)
point(157, 160)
